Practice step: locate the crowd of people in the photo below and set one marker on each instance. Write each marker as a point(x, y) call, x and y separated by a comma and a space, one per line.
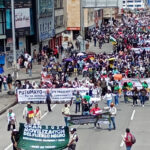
point(130, 58)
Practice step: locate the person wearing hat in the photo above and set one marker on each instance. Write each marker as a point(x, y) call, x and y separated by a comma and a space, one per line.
point(73, 139)
point(113, 112)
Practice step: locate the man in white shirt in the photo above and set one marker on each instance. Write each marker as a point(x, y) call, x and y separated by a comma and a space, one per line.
point(66, 113)
point(11, 119)
point(113, 112)
point(73, 139)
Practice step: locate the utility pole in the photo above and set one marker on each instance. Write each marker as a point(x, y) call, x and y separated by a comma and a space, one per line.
point(82, 32)
point(13, 38)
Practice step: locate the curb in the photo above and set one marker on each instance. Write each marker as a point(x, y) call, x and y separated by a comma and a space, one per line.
point(7, 107)
point(29, 78)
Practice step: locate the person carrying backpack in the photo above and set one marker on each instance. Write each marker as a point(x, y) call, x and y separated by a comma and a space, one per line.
point(73, 139)
point(129, 139)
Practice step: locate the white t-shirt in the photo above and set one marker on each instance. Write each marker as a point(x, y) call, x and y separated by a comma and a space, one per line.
point(108, 96)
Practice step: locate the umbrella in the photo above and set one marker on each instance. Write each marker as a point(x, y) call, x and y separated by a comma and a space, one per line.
point(68, 59)
point(80, 54)
point(110, 59)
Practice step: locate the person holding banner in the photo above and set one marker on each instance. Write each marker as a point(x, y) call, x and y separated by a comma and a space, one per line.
point(73, 139)
point(14, 139)
point(66, 113)
point(113, 112)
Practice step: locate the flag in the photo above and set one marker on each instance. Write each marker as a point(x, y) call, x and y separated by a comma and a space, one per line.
point(30, 112)
point(113, 40)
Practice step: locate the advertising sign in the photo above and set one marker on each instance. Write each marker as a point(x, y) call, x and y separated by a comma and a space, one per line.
point(46, 19)
point(36, 137)
point(22, 17)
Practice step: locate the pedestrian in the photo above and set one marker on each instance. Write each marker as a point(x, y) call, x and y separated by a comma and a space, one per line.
point(9, 82)
point(85, 108)
point(37, 115)
point(66, 113)
point(1, 83)
point(113, 112)
point(143, 94)
point(14, 139)
point(73, 139)
point(135, 95)
point(129, 139)
point(5, 82)
point(11, 119)
point(48, 100)
point(95, 111)
point(108, 97)
point(30, 69)
point(116, 93)
point(28, 113)
point(78, 102)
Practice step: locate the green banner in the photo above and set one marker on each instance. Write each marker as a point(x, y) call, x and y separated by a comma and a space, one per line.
point(36, 137)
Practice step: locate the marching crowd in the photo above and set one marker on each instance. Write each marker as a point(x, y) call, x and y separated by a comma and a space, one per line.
point(98, 72)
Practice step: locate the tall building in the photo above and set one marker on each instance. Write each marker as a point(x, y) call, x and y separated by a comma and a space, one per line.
point(73, 18)
point(134, 4)
point(2, 26)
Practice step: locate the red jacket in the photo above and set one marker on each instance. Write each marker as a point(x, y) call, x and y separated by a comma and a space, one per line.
point(94, 110)
point(128, 139)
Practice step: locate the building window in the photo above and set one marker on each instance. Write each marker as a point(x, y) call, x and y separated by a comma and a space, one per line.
point(59, 21)
point(1, 3)
point(2, 23)
point(58, 4)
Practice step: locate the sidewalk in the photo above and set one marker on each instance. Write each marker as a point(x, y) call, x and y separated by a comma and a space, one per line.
point(7, 101)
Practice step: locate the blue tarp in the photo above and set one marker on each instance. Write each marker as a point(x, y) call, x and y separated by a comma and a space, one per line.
point(2, 59)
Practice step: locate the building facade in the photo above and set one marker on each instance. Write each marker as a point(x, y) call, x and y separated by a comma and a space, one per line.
point(59, 23)
point(2, 26)
point(73, 18)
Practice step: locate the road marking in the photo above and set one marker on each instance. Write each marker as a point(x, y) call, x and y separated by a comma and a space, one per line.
point(9, 146)
point(122, 142)
point(133, 113)
point(47, 111)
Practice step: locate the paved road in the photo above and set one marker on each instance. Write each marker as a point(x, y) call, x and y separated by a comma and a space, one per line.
point(89, 137)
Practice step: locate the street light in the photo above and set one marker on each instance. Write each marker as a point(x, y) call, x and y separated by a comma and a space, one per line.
point(13, 37)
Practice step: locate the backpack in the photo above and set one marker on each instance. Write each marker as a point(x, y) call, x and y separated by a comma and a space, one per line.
point(77, 138)
point(133, 139)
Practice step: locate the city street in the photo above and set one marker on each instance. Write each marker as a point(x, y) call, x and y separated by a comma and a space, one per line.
point(89, 137)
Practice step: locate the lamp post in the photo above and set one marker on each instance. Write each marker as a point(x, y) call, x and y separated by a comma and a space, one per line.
point(82, 32)
point(13, 37)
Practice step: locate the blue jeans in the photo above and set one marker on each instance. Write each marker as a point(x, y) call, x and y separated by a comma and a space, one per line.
point(30, 72)
point(66, 121)
point(142, 98)
point(5, 86)
point(112, 121)
point(116, 99)
point(128, 148)
point(109, 102)
point(86, 113)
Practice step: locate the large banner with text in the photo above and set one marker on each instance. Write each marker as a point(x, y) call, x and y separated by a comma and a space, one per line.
point(60, 95)
point(33, 137)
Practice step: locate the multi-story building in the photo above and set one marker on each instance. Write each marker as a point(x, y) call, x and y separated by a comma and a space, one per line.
point(134, 4)
point(2, 26)
point(73, 18)
point(59, 23)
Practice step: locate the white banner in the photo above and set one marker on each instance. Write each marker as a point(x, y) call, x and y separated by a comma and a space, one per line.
point(59, 95)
